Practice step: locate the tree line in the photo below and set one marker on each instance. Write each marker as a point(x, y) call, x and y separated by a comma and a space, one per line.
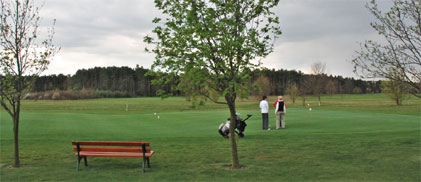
point(278, 82)
point(134, 82)
point(102, 81)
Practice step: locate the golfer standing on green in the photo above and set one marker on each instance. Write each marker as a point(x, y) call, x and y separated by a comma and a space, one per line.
point(264, 109)
point(280, 110)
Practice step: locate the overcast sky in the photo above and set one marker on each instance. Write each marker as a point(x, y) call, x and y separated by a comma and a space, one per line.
point(110, 33)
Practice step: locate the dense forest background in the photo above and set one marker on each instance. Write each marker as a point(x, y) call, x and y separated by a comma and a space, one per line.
point(133, 82)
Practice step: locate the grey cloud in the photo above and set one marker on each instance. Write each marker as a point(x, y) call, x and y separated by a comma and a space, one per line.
point(109, 32)
point(83, 23)
point(308, 20)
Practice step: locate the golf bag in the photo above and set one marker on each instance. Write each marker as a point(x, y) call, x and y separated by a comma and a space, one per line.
point(240, 126)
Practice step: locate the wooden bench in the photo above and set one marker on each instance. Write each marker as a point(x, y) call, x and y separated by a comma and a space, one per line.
point(112, 149)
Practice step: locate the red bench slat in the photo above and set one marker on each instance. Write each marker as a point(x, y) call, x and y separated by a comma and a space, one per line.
point(110, 149)
point(105, 143)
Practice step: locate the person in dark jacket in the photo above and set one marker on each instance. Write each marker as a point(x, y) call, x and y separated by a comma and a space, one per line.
point(280, 110)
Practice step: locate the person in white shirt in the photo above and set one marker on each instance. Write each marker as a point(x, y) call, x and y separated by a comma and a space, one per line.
point(264, 109)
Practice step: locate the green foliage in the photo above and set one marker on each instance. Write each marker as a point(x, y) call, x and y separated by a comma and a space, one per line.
point(211, 44)
point(397, 91)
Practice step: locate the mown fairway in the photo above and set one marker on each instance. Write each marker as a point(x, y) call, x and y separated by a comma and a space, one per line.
point(348, 138)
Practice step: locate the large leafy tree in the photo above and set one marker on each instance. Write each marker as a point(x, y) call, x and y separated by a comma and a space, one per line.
point(22, 57)
point(213, 45)
point(401, 52)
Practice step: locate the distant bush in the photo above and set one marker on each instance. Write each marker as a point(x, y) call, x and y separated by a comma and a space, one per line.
point(73, 95)
point(357, 90)
point(111, 94)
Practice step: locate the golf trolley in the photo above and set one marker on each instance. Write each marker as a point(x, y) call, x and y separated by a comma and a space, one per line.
point(240, 126)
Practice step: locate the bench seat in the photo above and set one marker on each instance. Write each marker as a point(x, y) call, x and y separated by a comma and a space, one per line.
point(114, 154)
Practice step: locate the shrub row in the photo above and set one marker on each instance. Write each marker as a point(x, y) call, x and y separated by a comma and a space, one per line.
point(73, 95)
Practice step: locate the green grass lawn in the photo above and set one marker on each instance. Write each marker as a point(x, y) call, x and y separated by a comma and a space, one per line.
point(348, 138)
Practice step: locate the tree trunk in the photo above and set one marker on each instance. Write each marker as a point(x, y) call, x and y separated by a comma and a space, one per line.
point(16, 138)
point(16, 110)
point(319, 100)
point(304, 101)
point(234, 154)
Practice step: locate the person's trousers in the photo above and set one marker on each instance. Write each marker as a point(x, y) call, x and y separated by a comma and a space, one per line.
point(280, 120)
point(265, 121)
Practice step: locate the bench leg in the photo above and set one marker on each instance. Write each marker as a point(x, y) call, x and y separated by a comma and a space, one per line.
point(86, 161)
point(143, 166)
point(149, 164)
point(78, 163)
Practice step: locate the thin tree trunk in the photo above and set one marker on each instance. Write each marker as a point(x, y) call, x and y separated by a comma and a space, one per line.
point(16, 138)
point(398, 101)
point(304, 101)
point(234, 154)
point(16, 111)
point(319, 100)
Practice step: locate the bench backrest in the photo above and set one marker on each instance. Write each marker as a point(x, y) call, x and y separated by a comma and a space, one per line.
point(129, 146)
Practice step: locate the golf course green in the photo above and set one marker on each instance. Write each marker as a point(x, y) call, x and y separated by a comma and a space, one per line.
point(347, 138)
